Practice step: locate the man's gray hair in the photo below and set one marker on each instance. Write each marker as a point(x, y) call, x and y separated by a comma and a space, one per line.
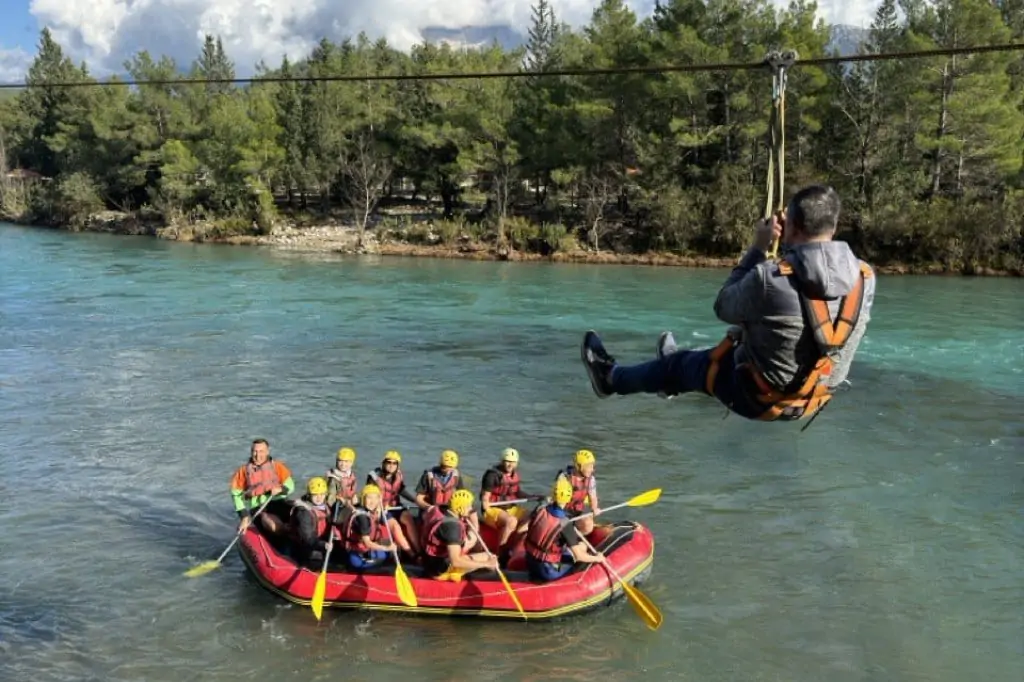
point(814, 210)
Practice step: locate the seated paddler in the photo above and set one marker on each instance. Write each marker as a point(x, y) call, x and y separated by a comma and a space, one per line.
point(365, 538)
point(445, 541)
point(310, 523)
point(553, 544)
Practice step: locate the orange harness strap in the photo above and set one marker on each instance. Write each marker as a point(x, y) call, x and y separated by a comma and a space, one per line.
point(830, 336)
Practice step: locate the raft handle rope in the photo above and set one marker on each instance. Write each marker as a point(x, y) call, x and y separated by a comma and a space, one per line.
point(779, 63)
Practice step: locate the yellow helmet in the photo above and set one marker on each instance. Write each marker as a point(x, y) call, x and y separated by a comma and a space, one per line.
point(449, 458)
point(561, 492)
point(461, 502)
point(510, 455)
point(346, 455)
point(393, 454)
point(370, 489)
point(317, 486)
point(583, 457)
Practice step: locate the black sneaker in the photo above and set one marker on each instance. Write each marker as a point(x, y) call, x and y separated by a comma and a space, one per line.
point(666, 346)
point(598, 363)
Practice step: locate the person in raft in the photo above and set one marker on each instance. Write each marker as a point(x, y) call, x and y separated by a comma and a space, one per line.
point(580, 477)
point(445, 540)
point(311, 529)
point(260, 479)
point(552, 544)
point(501, 484)
point(388, 477)
point(437, 485)
point(341, 480)
point(797, 324)
point(366, 541)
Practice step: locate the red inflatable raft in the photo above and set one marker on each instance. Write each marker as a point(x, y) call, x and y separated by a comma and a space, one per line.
point(629, 547)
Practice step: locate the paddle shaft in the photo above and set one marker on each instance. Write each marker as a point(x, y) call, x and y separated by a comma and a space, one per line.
point(606, 509)
point(239, 533)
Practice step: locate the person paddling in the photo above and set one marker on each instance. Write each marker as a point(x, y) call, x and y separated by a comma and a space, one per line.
point(366, 543)
point(501, 484)
point(342, 483)
point(580, 477)
point(445, 540)
point(311, 528)
point(552, 544)
point(260, 479)
point(797, 324)
point(437, 485)
point(388, 477)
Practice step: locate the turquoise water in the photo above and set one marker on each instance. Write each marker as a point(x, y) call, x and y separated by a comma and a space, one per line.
point(884, 543)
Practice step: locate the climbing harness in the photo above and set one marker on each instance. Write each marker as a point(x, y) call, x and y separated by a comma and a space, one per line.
point(779, 63)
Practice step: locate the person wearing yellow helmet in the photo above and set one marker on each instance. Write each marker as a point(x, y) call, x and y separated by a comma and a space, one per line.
point(365, 540)
point(388, 476)
point(553, 544)
point(342, 481)
point(310, 524)
point(580, 475)
point(256, 481)
point(501, 484)
point(445, 540)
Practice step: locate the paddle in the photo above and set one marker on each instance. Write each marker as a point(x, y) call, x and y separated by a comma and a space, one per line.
point(647, 611)
point(524, 500)
point(641, 500)
point(504, 580)
point(207, 566)
point(321, 581)
point(405, 591)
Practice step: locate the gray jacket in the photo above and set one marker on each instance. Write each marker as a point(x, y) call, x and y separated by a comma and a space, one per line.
point(765, 305)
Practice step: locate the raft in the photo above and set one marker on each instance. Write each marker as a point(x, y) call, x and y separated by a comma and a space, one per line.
point(629, 547)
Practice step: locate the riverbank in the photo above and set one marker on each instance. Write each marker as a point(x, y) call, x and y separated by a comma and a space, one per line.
point(420, 240)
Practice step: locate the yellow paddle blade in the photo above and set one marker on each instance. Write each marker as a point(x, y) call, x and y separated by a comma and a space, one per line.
point(511, 593)
point(405, 591)
point(647, 611)
point(202, 569)
point(318, 595)
point(649, 497)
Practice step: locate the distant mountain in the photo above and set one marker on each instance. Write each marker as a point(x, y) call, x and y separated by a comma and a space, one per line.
point(846, 39)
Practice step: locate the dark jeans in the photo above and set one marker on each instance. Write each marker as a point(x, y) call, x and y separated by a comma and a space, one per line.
point(541, 570)
point(686, 371)
point(360, 560)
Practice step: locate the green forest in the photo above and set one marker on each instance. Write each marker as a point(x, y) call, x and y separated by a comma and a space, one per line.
point(927, 153)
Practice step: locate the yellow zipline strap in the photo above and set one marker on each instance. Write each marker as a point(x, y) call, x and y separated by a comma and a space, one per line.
point(779, 63)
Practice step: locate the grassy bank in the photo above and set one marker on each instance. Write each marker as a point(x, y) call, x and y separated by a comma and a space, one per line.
point(401, 231)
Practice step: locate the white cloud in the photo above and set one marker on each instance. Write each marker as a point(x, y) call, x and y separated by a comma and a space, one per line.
point(13, 65)
point(106, 32)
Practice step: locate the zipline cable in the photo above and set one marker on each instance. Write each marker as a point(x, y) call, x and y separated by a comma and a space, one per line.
point(667, 68)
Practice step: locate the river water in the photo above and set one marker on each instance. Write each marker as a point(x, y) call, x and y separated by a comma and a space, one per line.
point(884, 543)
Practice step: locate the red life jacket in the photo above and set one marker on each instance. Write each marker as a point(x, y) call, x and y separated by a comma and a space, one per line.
point(508, 489)
point(353, 541)
point(389, 490)
point(346, 484)
point(542, 540)
point(260, 480)
point(439, 493)
point(433, 517)
point(321, 516)
point(580, 490)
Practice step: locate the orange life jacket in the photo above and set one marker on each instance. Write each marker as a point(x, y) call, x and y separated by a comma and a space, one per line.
point(830, 337)
point(321, 516)
point(260, 480)
point(542, 538)
point(433, 517)
point(353, 541)
point(441, 493)
point(580, 489)
point(508, 489)
point(389, 490)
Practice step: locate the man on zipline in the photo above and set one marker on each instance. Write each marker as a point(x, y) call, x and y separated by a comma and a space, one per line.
point(797, 324)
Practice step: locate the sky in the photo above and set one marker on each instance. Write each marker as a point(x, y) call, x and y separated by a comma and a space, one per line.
point(103, 33)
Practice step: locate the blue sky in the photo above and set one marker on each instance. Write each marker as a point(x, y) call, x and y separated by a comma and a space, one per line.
point(103, 33)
